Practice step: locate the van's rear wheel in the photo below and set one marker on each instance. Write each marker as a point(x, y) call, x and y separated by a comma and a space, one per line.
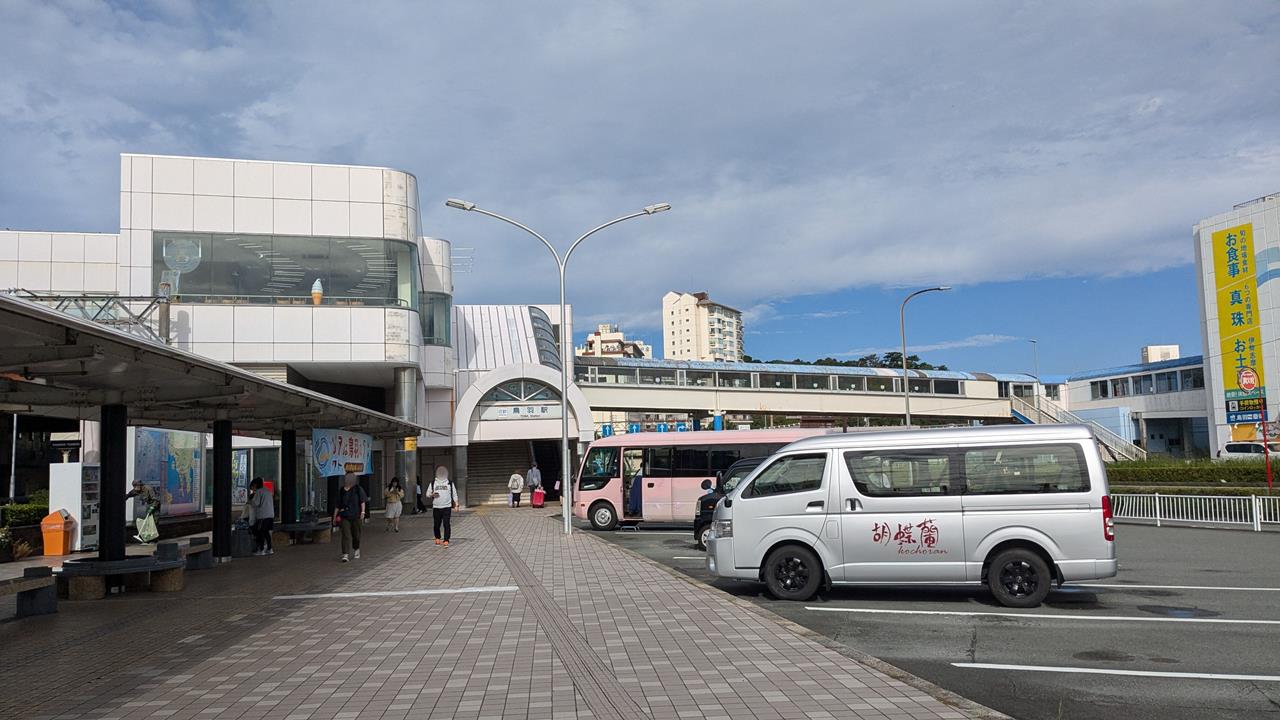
point(603, 516)
point(793, 572)
point(1019, 578)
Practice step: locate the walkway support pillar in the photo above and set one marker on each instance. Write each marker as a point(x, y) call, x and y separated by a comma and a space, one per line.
point(113, 439)
point(222, 490)
point(289, 476)
point(406, 395)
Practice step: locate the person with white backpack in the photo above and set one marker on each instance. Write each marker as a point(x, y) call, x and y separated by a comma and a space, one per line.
point(515, 485)
point(444, 500)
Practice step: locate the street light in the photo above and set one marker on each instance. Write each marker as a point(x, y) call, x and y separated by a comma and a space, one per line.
point(902, 324)
point(566, 356)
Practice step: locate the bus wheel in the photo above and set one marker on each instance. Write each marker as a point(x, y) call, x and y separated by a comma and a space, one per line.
point(793, 572)
point(603, 516)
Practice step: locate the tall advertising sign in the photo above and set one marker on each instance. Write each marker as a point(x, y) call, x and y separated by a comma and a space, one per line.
point(1239, 325)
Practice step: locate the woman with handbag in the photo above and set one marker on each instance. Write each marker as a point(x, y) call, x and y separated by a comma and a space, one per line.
point(394, 497)
point(348, 515)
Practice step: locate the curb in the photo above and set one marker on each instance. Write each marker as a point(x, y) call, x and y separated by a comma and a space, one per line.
point(938, 692)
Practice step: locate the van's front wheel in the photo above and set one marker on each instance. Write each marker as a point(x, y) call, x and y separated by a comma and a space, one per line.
point(793, 572)
point(1019, 578)
point(603, 516)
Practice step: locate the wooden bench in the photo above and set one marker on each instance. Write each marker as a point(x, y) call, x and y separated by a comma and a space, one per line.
point(36, 590)
point(316, 531)
point(86, 579)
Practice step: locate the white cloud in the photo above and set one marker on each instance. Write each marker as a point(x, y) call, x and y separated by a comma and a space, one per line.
point(996, 145)
point(973, 341)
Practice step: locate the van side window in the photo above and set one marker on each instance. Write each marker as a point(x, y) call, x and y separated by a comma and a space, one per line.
point(893, 473)
point(1025, 469)
point(789, 474)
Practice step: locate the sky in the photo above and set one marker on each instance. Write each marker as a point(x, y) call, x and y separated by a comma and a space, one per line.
point(1047, 160)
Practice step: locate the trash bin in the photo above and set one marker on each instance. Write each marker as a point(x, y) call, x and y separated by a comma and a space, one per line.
point(57, 528)
point(242, 544)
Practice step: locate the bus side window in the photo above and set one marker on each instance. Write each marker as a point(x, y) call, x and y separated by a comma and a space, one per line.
point(632, 462)
point(658, 461)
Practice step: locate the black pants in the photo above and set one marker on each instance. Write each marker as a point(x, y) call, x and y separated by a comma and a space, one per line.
point(442, 516)
point(262, 533)
point(515, 499)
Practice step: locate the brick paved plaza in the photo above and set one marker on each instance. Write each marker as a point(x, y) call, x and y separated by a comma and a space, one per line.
point(252, 640)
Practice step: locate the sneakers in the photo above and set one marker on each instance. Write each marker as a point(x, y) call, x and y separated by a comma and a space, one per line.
point(438, 541)
point(397, 529)
point(259, 553)
point(269, 552)
point(345, 558)
point(357, 554)
point(445, 543)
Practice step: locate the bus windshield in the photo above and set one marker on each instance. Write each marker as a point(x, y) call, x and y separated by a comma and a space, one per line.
point(601, 466)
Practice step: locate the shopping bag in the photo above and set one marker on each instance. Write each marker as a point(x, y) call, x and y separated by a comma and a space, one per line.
point(147, 530)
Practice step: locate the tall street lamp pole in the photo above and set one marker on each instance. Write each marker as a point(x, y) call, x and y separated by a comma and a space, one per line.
point(566, 354)
point(902, 325)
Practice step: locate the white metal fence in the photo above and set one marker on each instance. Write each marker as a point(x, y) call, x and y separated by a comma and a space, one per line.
point(1253, 511)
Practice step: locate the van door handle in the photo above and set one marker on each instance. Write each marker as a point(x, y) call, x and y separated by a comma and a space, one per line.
point(814, 506)
point(853, 504)
point(650, 484)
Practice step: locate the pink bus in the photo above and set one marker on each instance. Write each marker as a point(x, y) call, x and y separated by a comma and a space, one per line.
point(672, 466)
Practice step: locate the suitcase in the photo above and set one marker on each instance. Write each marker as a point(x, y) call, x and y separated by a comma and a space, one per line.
point(539, 498)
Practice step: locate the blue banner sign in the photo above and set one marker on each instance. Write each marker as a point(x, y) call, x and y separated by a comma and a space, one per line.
point(337, 452)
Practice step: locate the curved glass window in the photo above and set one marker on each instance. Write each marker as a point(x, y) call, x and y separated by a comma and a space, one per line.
point(518, 391)
point(544, 337)
point(286, 269)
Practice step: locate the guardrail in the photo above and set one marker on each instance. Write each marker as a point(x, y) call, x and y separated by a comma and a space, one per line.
point(1255, 512)
point(1046, 411)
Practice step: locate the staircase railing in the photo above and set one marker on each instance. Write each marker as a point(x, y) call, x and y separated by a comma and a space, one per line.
point(1049, 412)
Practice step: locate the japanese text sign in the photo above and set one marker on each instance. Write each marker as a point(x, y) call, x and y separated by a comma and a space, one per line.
point(337, 452)
point(1239, 321)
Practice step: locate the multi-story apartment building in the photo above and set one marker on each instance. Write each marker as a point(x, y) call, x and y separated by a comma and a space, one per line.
point(695, 328)
point(609, 341)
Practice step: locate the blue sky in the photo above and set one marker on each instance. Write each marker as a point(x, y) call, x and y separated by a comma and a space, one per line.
point(1047, 159)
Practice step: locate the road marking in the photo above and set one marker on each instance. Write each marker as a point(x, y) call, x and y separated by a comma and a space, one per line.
point(399, 593)
point(1046, 616)
point(1135, 673)
point(1171, 587)
point(690, 557)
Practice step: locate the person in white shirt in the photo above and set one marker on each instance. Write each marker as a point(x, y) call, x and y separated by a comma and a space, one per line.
point(444, 499)
point(515, 484)
point(534, 478)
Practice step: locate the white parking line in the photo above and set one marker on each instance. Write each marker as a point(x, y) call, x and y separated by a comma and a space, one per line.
point(399, 593)
point(1045, 616)
point(690, 557)
point(1122, 586)
point(1134, 673)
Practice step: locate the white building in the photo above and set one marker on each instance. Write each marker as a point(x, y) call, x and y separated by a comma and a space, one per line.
point(609, 341)
point(1237, 264)
point(1158, 353)
point(319, 275)
point(695, 328)
point(1161, 406)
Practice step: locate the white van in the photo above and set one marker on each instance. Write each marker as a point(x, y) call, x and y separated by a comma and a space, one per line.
point(1016, 508)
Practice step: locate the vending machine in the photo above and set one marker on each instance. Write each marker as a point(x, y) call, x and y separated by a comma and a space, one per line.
point(75, 487)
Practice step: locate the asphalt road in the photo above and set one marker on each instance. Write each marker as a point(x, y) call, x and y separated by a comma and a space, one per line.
point(1151, 619)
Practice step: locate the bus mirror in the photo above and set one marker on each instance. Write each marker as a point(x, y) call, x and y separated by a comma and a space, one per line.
point(706, 484)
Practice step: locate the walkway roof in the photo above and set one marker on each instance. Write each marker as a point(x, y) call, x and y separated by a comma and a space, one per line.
point(783, 368)
point(1140, 368)
point(57, 365)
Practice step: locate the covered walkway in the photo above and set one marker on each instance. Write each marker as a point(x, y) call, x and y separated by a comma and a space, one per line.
point(57, 365)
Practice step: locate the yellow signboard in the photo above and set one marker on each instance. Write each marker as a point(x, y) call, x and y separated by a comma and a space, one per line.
point(1239, 322)
point(410, 444)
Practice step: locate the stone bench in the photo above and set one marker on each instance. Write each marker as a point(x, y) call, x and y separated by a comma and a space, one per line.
point(36, 590)
point(86, 579)
point(198, 553)
point(316, 531)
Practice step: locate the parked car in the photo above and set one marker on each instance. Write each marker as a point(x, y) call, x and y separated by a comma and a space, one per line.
point(1247, 451)
point(1017, 509)
point(726, 481)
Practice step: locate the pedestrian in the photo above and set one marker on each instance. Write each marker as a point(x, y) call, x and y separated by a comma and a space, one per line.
point(444, 500)
point(418, 497)
point(515, 484)
point(264, 516)
point(145, 509)
point(534, 477)
point(395, 504)
point(348, 514)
